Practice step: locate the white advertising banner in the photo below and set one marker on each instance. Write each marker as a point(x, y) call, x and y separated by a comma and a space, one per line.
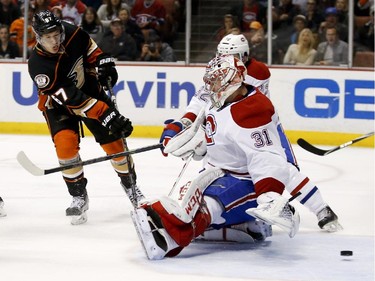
point(307, 99)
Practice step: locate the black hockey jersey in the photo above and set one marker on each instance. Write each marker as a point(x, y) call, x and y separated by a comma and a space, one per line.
point(67, 78)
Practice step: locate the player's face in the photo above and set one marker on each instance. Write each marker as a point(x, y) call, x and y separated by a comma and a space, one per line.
point(51, 41)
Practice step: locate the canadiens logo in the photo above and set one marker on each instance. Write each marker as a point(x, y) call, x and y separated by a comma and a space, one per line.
point(41, 80)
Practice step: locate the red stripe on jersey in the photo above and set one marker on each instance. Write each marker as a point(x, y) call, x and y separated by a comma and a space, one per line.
point(299, 187)
point(258, 70)
point(267, 185)
point(240, 201)
point(253, 111)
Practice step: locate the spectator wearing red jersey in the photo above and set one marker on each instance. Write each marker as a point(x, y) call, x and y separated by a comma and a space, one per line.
point(72, 11)
point(149, 15)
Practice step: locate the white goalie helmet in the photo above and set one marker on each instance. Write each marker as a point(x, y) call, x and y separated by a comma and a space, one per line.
point(233, 44)
point(224, 75)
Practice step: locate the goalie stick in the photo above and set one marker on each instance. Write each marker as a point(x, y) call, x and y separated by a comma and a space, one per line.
point(29, 166)
point(322, 152)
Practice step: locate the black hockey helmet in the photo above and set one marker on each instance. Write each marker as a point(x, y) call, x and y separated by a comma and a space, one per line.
point(45, 22)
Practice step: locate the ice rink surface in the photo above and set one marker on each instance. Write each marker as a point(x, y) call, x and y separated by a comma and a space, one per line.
point(37, 241)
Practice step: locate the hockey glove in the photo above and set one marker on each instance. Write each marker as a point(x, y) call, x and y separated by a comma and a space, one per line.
point(172, 128)
point(106, 70)
point(116, 123)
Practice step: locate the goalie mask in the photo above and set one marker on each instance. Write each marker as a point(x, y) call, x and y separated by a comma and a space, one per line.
point(224, 75)
point(46, 23)
point(234, 45)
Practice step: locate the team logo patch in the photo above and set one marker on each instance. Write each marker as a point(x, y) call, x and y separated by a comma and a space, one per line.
point(41, 80)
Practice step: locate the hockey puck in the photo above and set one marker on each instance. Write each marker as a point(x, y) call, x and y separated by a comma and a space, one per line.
point(346, 253)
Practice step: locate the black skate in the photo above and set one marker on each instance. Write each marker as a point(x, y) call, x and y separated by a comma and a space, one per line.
point(78, 208)
point(2, 211)
point(135, 196)
point(328, 220)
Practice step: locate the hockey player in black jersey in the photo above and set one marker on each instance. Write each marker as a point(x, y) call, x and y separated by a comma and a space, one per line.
point(63, 67)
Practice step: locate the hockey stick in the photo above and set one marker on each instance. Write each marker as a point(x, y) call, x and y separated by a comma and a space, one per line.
point(181, 173)
point(128, 159)
point(29, 166)
point(315, 150)
point(198, 121)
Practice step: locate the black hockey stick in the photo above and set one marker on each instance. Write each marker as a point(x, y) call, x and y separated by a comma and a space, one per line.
point(36, 171)
point(315, 150)
point(128, 159)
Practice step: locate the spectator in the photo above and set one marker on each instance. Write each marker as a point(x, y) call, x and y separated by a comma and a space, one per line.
point(17, 30)
point(342, 11)
point(314, 17)
point(131, 27)
point(108, 12)
point(118, 43)
point(248, 11)
point(149, 15)
point(57, 11)
point(302, 5)
point(9, 12)
point(93, 3)
point(365, 34)
point(229, 25)
point(258, 44)
point(156, 50)
point(303, 52)
point(362, 7)
point(41, 5)
point(72, 11)
point(299, 23)
point(8, 49)
point(92, 24)
point(283, 25)
point(333, 51)
point(331, 20)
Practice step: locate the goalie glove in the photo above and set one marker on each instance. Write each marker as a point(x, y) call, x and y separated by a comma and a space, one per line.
point(191, 141)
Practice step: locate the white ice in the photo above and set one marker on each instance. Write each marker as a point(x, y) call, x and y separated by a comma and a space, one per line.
point(37, 241)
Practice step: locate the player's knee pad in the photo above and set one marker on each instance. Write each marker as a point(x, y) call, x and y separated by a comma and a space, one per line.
point(67, 144)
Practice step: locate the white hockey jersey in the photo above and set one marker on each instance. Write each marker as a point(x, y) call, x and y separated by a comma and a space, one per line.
point(242, 138)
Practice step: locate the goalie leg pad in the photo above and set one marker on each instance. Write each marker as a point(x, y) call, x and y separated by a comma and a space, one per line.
point(181, 232)
point(155, 240)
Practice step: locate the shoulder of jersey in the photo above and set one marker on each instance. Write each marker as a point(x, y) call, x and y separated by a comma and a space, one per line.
point(253, 111)
point(258, 70)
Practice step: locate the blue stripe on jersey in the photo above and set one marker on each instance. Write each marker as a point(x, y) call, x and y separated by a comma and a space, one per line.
point(286, 145)
point(308, 196)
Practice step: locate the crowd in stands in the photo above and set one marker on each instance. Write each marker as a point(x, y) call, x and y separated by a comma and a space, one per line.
point(129, 30)
point(305, 32)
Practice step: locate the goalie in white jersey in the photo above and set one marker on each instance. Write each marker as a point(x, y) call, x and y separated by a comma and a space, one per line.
point(258, 76)
point(246, 169)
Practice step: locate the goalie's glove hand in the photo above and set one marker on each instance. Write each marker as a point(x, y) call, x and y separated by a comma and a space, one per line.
point(116, 123)
point(106, 70)
point(172, 128)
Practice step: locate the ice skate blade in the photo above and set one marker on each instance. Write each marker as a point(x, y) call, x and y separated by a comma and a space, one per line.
point(333, 226)
point(142, 226)
point(81, 219)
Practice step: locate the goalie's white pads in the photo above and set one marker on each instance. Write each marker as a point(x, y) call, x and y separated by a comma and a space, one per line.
point(275, 209)
point(155, 241)
point(189, 141)
point(247, 232)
